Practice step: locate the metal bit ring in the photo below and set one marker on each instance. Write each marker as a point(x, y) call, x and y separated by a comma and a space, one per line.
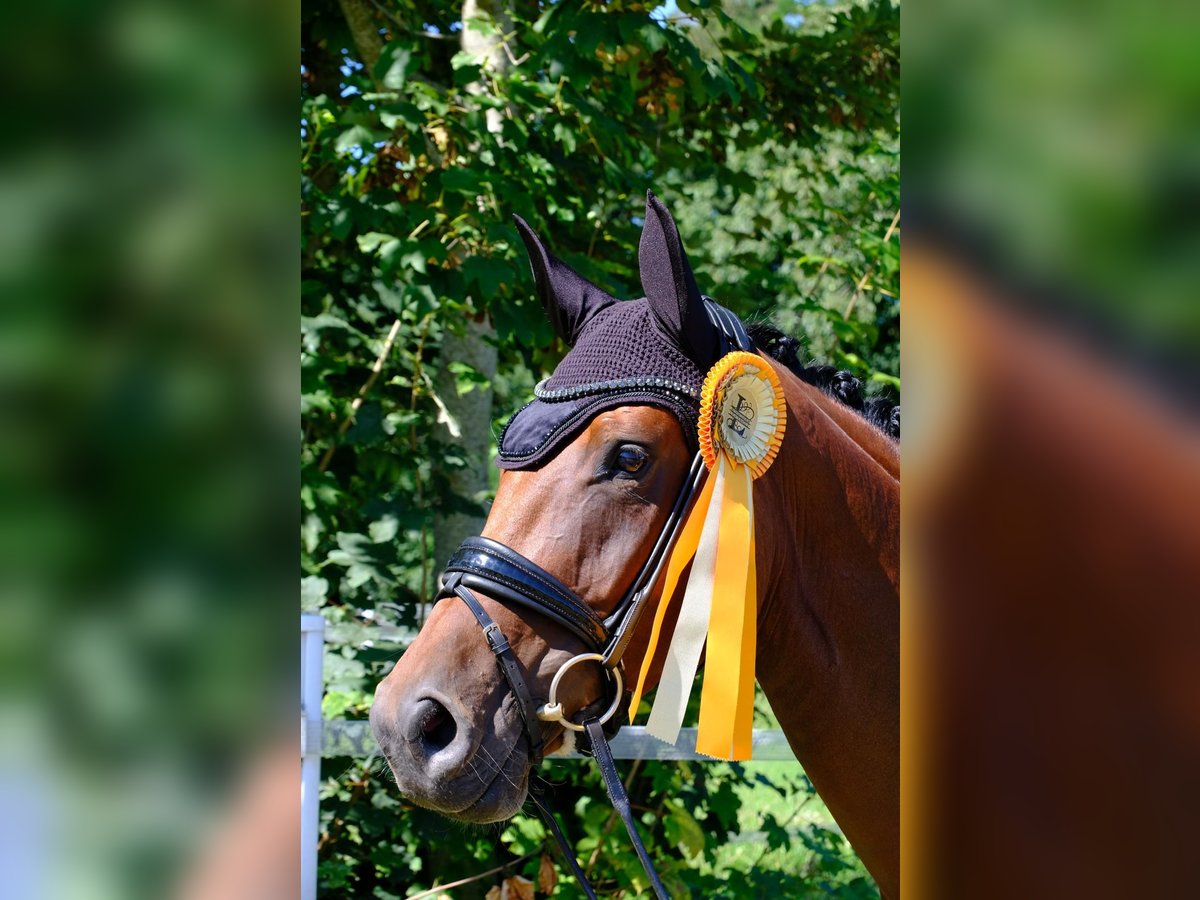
point(553, 711)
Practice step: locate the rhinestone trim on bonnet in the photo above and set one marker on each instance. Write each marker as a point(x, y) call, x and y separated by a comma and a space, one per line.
point(607, 387)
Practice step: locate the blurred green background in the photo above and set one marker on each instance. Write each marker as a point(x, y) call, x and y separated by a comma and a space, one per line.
point(771, 131)
point(147, 432)
point(1058, 145)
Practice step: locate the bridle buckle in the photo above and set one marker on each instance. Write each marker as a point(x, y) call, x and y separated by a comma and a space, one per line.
point(495, 637)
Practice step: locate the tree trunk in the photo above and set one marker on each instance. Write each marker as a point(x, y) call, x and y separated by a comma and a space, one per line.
point(475, 346)
point(472, 419)
point(360, 19)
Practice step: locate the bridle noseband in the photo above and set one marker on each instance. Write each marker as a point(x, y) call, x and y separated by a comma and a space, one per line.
point(482, 564)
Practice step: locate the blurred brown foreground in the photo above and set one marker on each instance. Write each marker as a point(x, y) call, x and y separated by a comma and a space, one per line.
point(1051, 592)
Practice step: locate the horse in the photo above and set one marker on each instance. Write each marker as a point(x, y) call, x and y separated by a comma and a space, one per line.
point(588, 485)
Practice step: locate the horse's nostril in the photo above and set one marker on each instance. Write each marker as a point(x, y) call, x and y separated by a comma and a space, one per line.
point(435, 725)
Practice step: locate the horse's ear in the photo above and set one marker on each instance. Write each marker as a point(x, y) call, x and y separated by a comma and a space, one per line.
point(570, 300)
point(671, 287)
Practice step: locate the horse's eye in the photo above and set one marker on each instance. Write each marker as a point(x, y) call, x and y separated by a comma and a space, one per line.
point(630, 459)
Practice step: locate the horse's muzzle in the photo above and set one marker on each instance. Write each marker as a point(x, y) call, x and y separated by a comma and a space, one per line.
point(445, 760)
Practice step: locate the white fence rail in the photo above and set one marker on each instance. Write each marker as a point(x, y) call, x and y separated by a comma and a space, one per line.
point(344, 737)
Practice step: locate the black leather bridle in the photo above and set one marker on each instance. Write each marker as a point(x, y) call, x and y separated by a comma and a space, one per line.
point(481, 564)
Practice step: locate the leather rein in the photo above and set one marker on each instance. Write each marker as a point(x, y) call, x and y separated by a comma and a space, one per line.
point(481, 564)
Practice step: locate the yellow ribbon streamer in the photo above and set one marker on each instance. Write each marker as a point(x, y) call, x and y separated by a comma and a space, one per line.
point(743, 725)
point(728, 671)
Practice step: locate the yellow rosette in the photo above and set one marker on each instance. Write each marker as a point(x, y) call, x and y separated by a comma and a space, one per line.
point(742, 418)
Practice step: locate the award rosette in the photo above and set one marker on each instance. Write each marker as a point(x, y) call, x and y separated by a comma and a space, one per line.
point(742, 418)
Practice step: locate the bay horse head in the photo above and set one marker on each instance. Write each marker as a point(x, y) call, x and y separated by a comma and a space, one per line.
point(591, 475)
point(597, 473)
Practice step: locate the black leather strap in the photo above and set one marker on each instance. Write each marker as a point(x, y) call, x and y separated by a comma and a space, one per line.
point(620, 624)
point(620, 800)
point(563, 844)
point(509, 667)
point(489, 566)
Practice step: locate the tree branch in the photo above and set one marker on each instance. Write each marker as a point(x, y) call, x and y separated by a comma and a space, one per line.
point(407, 29)
point(362, 393)
point(445, 887)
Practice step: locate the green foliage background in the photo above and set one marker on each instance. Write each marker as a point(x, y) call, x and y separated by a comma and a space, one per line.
point(771, 130)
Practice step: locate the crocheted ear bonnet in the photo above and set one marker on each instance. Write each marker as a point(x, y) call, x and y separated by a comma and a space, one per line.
point(653, 351)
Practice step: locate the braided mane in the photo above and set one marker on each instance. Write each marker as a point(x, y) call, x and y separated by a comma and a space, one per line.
point(880, 410)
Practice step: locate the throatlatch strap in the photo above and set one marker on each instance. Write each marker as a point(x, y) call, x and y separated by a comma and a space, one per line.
point(563, 844)
point(620, 800)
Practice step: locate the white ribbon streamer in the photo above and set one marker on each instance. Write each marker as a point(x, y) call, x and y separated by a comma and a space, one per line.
point(691, 631)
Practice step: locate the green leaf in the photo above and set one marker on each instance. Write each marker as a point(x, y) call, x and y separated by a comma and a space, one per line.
point(636, 31)
point(566, 136)
point(651, 37)
point(683, 830)
point(342, 222)
point(368, 425)
point(463, 58)
point(414, 259)
point(354, 136)
point(372, 240)
point(724, 803)
point(524, 835)
point(395, 63)
point(405, 114)
point(461, 180)
point(389, 297)
point(384, 530)
point(539, 27)
point(313, 591)
point(466, 378)
point(465, 75)
point(487, 273)
point(426, 299)
point(777, 835)
point(482, 26)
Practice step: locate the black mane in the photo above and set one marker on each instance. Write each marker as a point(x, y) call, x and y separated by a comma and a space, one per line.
point(880, 410)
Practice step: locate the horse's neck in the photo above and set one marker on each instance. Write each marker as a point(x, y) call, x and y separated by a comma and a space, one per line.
point(827, 526)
